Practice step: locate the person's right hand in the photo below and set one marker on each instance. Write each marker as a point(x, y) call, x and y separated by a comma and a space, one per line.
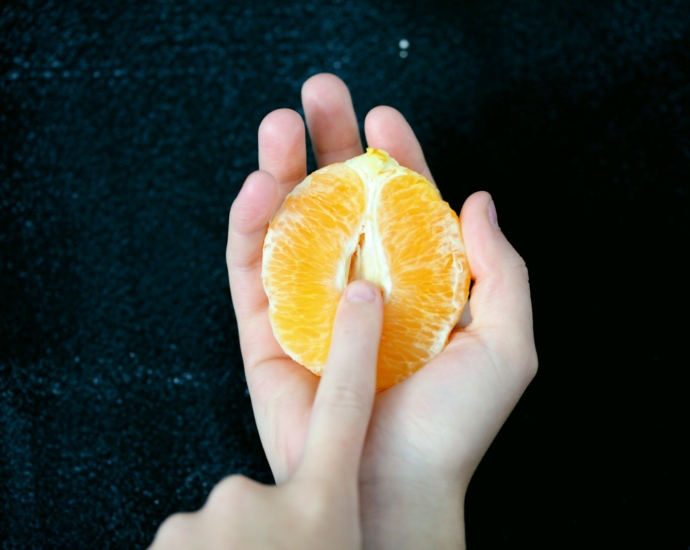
point(428, 433)
point(318, 507)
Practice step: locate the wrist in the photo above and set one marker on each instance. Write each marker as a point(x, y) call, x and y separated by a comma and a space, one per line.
point(401, 513)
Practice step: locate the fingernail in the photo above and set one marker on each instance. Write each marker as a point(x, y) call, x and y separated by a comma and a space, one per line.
point(491, 212)
point(360, 291)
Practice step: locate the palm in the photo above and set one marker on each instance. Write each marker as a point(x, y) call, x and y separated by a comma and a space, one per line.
point(446, 410)
point(425, 421)
point(406, 430)
point(435, 416)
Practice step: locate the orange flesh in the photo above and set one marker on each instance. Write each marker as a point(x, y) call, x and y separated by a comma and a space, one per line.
point(424, 297)
point(327, 234)
point(308, 295)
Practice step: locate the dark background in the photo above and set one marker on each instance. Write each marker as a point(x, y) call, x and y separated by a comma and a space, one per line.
point(126, 130)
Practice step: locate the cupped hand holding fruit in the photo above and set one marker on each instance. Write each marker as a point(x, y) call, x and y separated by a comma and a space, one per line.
point(427, 433)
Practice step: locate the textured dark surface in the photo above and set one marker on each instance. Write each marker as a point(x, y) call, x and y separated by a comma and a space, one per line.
point(126, 130)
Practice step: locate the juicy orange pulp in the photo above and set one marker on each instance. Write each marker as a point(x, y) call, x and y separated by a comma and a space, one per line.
point(367, 218)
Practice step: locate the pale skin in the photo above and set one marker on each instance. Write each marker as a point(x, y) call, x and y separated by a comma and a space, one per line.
point(354, 469)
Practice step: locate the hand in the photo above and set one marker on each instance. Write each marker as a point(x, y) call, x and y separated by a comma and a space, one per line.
point(428, 433)
point(318, 506)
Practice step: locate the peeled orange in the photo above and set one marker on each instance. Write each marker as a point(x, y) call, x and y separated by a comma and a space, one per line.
point(367, 218)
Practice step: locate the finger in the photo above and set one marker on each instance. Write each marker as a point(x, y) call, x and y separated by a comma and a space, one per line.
point(331, 119)
point(249, 216)
point(281, 390)
point(345, 396)
point(386, 128)
point(500, 306)
point(282, 149)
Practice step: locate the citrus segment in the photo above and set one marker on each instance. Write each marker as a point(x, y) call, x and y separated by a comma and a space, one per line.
point(423, 246)
point(304, 269)
point(368, 218)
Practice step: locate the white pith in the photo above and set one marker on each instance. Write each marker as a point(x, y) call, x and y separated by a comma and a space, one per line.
point(370, 263)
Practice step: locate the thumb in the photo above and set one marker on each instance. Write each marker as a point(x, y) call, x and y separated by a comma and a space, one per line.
point(345, 396)
point(500, 301)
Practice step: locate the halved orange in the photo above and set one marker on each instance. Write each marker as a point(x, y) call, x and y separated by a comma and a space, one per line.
point(367, 218)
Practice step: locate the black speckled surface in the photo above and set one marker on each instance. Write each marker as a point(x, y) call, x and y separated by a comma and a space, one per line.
point(126, 129)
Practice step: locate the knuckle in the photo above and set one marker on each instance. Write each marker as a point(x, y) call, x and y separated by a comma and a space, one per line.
point(521, 268)
point(228, 252)
point(511, 275)
point(241, 265)
point(518, 270)
point(346, 395)
point(228, 491)
point(173, 531)
point(318, 501)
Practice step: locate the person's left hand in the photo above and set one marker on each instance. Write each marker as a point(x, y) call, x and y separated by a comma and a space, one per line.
point(318, 506)
point(428, 433)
